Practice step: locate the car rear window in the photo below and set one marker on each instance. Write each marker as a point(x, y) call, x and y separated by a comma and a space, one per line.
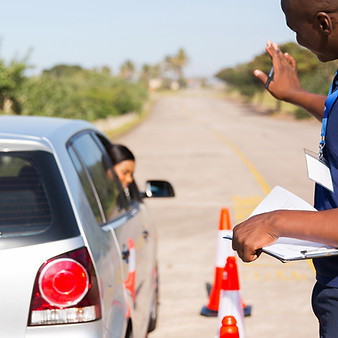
point(33, 199)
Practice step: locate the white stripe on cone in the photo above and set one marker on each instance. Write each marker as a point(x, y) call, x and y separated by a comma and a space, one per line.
point(224, 248)
point(130, 281)
point(231, 305)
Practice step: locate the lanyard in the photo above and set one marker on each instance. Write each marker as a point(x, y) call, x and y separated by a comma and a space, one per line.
point(331, 98)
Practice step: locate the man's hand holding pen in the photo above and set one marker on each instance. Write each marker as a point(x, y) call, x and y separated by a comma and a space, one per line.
point(283, 79)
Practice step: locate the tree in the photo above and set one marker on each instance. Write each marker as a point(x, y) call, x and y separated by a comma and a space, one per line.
point(127, 70)
point(313, 75)
point(173, 66)
point(12, 80)
point(180, 60)
point(149, 72)
point(63, 70)
point(87, 94)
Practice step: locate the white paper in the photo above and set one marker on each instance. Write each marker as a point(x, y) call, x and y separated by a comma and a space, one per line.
point(288, 249)
point(318, 171)
point(281, 199)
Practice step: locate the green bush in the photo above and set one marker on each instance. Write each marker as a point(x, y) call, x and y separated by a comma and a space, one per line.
point(81, 94)
point(314, 76)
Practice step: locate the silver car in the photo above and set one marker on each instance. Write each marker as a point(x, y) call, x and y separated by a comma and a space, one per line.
point(78, 258)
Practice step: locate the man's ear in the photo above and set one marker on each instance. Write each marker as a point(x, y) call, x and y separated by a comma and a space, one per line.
point(324, 23)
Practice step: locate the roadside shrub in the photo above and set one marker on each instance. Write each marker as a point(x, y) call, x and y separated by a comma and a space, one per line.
point(88, 95)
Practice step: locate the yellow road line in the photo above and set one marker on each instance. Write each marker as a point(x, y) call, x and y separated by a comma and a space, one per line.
point(245, 160)
point(265, 187)
point(237, 151)
point(243, 206)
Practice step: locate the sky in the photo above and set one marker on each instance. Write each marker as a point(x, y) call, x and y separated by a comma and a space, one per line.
point(215, 34)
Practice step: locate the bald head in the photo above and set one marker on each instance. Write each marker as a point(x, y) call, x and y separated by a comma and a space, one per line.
point(310, 7)
point(315, 23)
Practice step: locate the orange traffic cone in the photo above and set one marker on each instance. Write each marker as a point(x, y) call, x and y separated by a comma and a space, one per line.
point(230, 300)
point(129, 283)
point(224, 250)
point(229, 328)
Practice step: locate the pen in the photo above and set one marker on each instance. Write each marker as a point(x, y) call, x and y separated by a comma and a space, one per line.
point(270, 77)
point(318, 251)
point(313, 250)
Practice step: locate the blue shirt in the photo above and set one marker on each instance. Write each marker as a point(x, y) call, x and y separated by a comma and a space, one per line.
point(327, 267)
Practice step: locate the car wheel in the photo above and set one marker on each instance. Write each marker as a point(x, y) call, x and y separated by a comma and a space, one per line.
point(154, 306)
point(129, 333)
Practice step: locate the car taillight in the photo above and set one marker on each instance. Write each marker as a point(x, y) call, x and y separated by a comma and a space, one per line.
point(65, 291)
point(63, 282)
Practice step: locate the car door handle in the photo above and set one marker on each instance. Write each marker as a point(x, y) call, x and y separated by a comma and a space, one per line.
point(125, 254)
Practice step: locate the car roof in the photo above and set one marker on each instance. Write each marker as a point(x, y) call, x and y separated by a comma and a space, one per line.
point(41, 127)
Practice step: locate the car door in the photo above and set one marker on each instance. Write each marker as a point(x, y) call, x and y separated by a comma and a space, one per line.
point(140, 261)
point(137, 242)
point(103, 244)
point(115, 214)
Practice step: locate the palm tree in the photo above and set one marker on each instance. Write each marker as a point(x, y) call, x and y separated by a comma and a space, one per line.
point(174, 66)
point(180, 60)
point(149, 72)
point(127, 70)
point(168, 66)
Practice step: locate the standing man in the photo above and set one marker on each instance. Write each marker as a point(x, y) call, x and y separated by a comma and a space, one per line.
point(315, 23)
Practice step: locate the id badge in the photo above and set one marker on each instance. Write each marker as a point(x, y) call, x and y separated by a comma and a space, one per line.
point(318, 170)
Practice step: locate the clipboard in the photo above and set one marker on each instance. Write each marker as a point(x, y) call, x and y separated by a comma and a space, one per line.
point(289, 249)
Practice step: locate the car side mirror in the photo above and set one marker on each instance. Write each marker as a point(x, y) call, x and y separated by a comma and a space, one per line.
point(158, 188)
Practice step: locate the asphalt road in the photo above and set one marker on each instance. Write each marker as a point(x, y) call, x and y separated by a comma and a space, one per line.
point(219, 154)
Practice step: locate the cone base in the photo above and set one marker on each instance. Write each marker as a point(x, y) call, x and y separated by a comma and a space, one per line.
point(208, 312)
point(205, 311)
point(247, 310)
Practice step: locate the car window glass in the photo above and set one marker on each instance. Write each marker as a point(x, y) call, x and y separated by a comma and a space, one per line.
point(86, 185)
point(24, 207)
point(105, 187)
point(130, 194)
point(135, 195)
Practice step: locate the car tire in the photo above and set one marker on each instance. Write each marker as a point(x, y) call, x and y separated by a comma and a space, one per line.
point(154, 306)
point(129, 333)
